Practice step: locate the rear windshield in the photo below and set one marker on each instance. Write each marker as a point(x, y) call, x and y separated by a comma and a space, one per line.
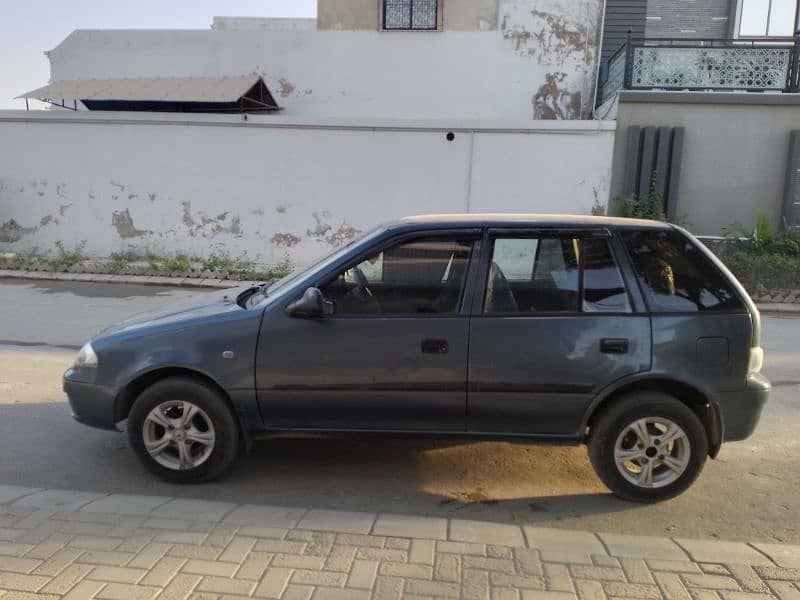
point(676, 276)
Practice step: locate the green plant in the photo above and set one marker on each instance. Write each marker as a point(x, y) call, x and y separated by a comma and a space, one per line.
point(649, 207)
point(180, 262)
point(762, 255)
point(121, 259)
point(219, 260)
point(66, 259)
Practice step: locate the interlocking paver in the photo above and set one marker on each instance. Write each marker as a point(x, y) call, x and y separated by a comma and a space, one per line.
point(61, 499)
point(671, 586)
point(224, 585)
point(412, 527)
point(362, 574)
point(14, 564)
point(711, 582)
point(486, 533)
point(71, 551)
point(783, 555)
point(632, 590)
point(182, 508)
point(117, 574)
point(64, 581)
point(311, 577)
point(564, 546)
point(180, 587)
point(279, 517)
point(340, 558)
point(723, 552)
point(273, 583)
point(163, 571)
point(338, 521)
point(640, 546)
point(23, 583)
point(210, 567)
point(126, 504)
point(125, 591)
point(254, 565)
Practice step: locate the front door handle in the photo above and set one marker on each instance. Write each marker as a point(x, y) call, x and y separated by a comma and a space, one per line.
point(614, 346)
point(434, 346)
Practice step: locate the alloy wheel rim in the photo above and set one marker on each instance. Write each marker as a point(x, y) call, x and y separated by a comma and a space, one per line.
point(652, 452)
point(178, 435)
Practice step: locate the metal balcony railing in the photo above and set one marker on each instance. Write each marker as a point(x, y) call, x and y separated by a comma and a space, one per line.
point(753, 65)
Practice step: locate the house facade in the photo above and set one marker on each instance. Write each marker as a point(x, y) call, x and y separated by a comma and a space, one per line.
point(705, 96)
point(382, 108)
point(467, 59)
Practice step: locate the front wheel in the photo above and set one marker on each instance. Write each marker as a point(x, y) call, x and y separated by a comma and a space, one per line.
point(648, 446)
point(183, 430)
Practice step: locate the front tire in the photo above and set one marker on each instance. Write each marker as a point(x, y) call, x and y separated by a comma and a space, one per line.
point(183, 430)
point(647, 447)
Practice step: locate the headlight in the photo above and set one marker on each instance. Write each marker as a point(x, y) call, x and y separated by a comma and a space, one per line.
point(756, 360)
point(86, 357)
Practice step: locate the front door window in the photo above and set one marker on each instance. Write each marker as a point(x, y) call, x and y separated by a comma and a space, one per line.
point(416, 277)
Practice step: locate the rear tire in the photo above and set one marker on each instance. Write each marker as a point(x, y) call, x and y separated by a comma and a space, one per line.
point(648, 446)
point(183, 430)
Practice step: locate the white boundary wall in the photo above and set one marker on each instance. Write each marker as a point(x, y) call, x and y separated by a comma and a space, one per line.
point(276, 186)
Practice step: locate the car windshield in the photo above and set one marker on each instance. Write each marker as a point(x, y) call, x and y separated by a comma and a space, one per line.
point(285, 283)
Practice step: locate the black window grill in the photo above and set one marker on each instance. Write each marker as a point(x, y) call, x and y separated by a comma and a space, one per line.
point(410, 15)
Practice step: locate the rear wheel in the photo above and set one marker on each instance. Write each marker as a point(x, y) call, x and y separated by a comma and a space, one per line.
point(648, 446)
point(183, 430)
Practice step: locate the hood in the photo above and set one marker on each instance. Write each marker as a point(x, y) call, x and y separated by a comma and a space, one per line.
point(200, 307)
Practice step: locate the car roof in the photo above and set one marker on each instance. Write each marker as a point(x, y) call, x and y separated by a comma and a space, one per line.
point(524, 220)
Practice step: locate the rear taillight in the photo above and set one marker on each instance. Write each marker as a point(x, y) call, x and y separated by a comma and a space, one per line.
point(756, 360)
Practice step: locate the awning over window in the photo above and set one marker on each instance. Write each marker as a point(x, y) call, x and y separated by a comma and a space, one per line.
point(246, 93)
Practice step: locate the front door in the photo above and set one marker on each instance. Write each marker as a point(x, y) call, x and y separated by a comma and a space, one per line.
point(393, 356)
point(555, 327)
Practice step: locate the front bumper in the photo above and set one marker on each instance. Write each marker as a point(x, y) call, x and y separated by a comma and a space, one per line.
point(90, 404)
point(741, 410)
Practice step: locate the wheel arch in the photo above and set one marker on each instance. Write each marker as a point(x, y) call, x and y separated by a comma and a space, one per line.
point(697, 400)
point(128, 394)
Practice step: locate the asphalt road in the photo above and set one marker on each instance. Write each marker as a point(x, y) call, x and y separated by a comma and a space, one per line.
point(751, 492)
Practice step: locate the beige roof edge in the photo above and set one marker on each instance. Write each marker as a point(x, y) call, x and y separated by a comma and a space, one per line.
point(168, 89)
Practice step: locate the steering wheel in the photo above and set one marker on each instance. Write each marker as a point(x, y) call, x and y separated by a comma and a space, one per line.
point(363, 288)
point(361, 281)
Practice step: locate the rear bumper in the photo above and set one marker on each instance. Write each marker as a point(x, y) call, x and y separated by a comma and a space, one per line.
point(741, 410)
point(91, 404)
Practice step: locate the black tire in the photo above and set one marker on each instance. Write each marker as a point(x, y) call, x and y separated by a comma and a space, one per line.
point(226, 429)
point(614, 420)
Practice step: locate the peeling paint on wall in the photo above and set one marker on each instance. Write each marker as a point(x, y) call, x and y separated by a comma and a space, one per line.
point(552, 102)
point(205, 226)
point(124, 224)
point(11, 231)
point(325, 231)
point(287, 240)
point(286, 88)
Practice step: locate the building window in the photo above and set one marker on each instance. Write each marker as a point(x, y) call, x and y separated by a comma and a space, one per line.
point(410, 15)
point(767, 18)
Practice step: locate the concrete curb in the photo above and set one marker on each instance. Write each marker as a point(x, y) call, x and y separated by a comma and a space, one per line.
point(129, 279)
point(571, 545)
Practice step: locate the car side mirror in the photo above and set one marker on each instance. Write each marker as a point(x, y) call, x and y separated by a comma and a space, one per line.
point(311, 304)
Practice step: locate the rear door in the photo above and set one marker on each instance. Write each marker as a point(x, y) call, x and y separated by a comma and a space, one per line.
point(554, 327)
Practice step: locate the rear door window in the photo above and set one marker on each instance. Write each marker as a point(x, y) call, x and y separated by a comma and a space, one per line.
point(542, 274)
point(676, 276)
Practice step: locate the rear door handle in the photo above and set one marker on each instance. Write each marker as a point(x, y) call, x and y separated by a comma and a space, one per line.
point(614, 346)
point(434, 346)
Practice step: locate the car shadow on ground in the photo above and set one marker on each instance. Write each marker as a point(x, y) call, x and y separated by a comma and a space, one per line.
point(495, 481)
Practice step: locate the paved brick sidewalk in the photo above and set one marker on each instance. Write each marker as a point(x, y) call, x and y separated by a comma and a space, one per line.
point(56, 543)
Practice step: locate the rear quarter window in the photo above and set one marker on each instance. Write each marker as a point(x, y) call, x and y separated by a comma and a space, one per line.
point(676, 276)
